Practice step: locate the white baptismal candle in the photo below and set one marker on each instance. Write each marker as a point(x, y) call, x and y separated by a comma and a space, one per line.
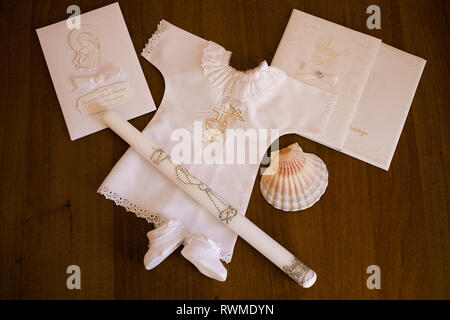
point(211, 201)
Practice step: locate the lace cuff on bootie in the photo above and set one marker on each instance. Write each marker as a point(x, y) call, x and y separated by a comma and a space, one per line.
point(204, 254)
point(162, 242)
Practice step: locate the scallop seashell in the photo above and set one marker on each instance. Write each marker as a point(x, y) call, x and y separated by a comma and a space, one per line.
point(295, 180)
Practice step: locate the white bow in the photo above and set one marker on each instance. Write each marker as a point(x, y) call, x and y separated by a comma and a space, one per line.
point(93, 80)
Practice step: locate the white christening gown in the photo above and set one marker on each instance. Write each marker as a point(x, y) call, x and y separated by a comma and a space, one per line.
point(206, 95)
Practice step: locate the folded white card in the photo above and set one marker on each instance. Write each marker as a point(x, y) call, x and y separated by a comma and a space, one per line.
point(330, 57)
point(374, 98)
point(97, 54)
point(384, 106)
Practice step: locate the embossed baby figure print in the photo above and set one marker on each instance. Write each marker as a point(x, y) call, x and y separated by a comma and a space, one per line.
point(86, 43)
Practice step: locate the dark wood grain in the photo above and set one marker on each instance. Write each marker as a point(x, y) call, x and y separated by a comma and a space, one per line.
point(51, 216)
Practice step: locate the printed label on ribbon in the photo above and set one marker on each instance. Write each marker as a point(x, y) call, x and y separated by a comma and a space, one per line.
point(105, 98)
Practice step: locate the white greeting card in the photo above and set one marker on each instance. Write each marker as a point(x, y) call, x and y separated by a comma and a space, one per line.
point(375, 83)
point(384, 106)
point(86, 59)
point(330, 57)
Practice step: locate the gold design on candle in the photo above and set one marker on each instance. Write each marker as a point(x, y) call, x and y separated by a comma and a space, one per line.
point(225, 211)
point(298, 271)
point(227, 214)
point(158, 156)
point(359, 131)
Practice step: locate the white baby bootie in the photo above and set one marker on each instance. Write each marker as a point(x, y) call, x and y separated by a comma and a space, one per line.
point(162, 242)
point(204, 254)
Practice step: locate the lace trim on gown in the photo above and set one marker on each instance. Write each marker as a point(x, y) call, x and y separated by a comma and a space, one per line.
point(236, 84)
point(163, 25)
point(149, 215)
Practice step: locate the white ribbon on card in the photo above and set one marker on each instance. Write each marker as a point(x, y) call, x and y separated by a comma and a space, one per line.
point(329, 78)
point(311, 74)
point(108, 74)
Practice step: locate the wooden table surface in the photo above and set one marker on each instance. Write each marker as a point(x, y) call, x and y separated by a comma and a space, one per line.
point(51, 216)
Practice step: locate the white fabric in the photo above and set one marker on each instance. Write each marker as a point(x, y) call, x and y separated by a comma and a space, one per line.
point(198, 78)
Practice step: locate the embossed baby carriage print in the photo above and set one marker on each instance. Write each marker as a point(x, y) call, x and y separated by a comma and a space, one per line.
point(326, 56)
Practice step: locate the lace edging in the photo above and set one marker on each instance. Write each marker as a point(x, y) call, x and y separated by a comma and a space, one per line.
point(229, 82)
point(163, 25)
point(149, 215)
